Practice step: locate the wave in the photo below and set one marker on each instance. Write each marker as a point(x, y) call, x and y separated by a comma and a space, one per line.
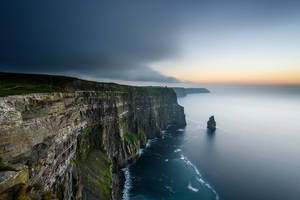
point(141, 152)
point(198, 177)
point(177, 150)
point(170, 189)
point(148, 144)
point(192, 188)
point(126, 171)
point(150, 141)
point(200, 180)
point(127, 185)
point(166, 134)
point(193, 184)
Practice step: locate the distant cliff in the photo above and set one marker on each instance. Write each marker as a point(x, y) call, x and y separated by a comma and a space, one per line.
point(182, 92)
point(67, 138)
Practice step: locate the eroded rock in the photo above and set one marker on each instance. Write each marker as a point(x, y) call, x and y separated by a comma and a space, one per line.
point(53, 134)
point(211, 123)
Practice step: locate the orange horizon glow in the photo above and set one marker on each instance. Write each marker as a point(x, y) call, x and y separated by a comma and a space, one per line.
point(288, 78)
point(262, 58)
point(233, 71)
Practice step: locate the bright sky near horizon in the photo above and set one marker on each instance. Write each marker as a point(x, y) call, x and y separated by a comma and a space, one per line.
point(254, 54)
point(162, 42)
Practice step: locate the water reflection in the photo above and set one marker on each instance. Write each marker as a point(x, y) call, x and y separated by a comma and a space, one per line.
point(210, 135)
point(255, 153)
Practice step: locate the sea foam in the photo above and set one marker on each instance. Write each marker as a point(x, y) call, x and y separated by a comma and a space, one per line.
point(127, 185)
point(126, 172)
point(192, 188)
point(177, 150)
point(198, 178)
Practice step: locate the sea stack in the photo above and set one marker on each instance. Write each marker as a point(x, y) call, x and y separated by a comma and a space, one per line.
point(211, 123)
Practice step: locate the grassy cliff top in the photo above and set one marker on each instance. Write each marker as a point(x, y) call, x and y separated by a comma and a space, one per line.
point(17, 83)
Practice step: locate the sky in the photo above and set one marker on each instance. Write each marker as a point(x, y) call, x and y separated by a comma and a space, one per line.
point(158, 42)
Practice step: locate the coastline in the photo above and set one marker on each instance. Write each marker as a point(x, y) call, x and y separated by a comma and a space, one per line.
point(126, 172)
point(124, 176)
point(75, 139)
point(166, 135)
point(125, 179)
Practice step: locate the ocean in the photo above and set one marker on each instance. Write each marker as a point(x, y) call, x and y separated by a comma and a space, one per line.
point(254, 154)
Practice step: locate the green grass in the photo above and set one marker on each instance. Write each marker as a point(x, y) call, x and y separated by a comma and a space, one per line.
point(77, 101)
point(13, 84)
point(130, 138)
point(17, 83)
point(96, 176)
point(142, 134)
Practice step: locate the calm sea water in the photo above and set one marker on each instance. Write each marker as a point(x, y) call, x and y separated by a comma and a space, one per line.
point(254, 153)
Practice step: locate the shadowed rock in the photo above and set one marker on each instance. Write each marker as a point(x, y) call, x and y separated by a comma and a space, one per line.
point(67, 134)
point(211, 123)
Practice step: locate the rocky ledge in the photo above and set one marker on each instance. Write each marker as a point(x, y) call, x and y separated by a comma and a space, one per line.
point(71, 141)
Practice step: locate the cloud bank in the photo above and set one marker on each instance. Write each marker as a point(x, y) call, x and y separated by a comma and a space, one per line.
point(119, 39)
point(99, 39)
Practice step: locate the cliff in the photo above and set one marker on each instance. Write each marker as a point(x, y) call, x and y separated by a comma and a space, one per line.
point(67, 138)
point(182, 92)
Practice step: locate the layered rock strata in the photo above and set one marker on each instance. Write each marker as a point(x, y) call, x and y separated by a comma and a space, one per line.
point(75, 143)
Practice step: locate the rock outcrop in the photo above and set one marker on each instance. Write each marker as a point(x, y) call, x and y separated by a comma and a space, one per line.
point(211, 123)
point(74, 143)
point(182, 92)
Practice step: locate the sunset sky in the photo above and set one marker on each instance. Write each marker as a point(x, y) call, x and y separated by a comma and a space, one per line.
point(264, 51)
point(162, 42)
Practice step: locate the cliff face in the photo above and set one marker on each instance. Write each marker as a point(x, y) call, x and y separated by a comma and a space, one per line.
point(182, 92)
point(75, 143)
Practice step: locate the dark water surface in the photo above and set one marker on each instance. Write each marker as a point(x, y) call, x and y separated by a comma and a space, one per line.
point(163, 172)
point(254, 153)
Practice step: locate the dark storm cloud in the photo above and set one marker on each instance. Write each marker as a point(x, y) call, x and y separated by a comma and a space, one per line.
point(94, 38)
point(113, 39)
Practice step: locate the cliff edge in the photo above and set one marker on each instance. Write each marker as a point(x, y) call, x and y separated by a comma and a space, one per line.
point(182, 92)
point(66, 138)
